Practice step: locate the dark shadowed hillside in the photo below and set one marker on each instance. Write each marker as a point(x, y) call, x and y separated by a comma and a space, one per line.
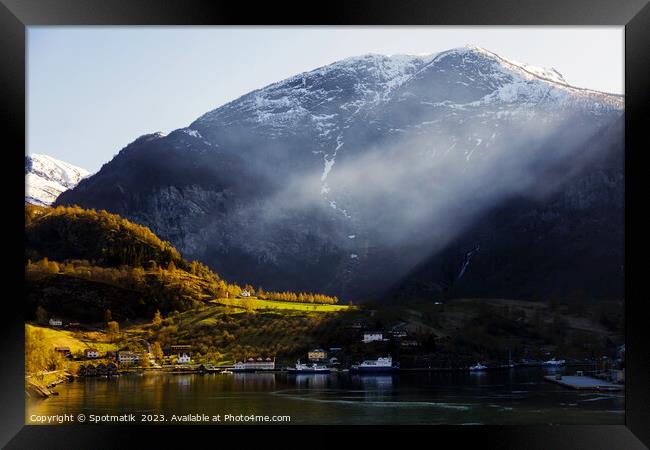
point(377, 177)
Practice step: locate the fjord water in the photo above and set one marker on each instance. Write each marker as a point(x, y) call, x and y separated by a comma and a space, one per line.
point(513, 396)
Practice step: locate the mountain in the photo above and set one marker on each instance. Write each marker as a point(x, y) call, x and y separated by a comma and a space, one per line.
point(47, 177)
point(391, 177)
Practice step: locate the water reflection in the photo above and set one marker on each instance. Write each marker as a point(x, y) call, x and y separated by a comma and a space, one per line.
point(376, 388)
point(521, 396)
point(377, 382)
point(310, 380)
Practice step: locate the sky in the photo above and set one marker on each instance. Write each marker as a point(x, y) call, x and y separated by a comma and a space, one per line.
point(93, 90)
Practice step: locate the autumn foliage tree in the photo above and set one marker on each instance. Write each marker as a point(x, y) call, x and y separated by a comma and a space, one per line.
point(113, 330)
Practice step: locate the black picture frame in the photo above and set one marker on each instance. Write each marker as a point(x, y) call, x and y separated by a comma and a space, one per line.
point(16, 15)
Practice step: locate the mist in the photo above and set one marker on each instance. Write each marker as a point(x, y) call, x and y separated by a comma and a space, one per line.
point(410, 197)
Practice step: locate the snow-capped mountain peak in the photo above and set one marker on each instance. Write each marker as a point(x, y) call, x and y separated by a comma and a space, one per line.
point(342, 89)
point(46, 178)
point(543, 73)
point(349, 176)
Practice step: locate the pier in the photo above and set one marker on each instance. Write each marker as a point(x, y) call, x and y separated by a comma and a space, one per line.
point(581, 382)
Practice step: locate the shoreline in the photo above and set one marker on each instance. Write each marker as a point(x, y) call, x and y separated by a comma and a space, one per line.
point(44, 388)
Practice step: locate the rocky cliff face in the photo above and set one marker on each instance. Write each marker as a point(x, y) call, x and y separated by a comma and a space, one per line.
point(376, 175)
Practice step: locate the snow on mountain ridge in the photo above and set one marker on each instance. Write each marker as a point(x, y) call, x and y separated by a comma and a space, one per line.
point(47, 177)
point(374, 77)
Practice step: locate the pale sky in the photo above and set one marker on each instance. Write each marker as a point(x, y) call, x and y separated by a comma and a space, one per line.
point(93, 90)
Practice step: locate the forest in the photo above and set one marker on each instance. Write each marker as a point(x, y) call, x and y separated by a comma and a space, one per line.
point(80, 262)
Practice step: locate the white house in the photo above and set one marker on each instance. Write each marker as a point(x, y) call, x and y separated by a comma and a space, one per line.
point(55, 322)
point(91, 353)
point(183, 358)
point(245, 293)
point(373, 336)
point(128, 357)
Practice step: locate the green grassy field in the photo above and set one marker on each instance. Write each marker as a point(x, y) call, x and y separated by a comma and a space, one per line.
point(257, 303)
point(77, 341)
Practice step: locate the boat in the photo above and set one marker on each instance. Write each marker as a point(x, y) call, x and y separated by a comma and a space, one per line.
point(305, 368)
point(379, 365)
point(225, 371)
point(478, 367)
point(553, 362)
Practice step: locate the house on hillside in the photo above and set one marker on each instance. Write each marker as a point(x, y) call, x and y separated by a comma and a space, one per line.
point(127, 357)
point(245, 293)
point(183, 358)
point(373, 336)
point(65, 351)
point(91, 353)
point(54, 322)
point(177, 349)
point(317, 354)
point(398, 331)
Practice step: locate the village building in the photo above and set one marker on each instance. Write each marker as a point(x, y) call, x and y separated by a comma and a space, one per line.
point(373, 336)
point(245, 293)
point(65, 351)
point(177, 349)
point(253, 364)
point(317, 354)
point(90, 370)
point(127, 357)
point(54, 322)
point(398, 331)
point(101, 369)
point(183, 358)
point(91, 353)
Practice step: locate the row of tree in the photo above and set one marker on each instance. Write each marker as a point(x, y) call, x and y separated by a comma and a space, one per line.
point(101, 247)
point(302, 297)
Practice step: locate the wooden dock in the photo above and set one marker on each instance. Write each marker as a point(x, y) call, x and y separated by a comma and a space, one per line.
point(584, 383)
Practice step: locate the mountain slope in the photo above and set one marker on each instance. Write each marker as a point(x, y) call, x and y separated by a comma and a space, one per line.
point(348, 178)
point(81, 262)
point(47, 177)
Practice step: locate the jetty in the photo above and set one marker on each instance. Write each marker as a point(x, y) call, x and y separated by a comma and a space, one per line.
point(582, 382)
point(43, 384)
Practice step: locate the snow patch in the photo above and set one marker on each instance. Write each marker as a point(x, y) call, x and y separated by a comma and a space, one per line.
point(192, 132)
point(46, 178)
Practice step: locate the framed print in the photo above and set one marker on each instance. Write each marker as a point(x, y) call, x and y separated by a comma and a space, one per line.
point(389, 218)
